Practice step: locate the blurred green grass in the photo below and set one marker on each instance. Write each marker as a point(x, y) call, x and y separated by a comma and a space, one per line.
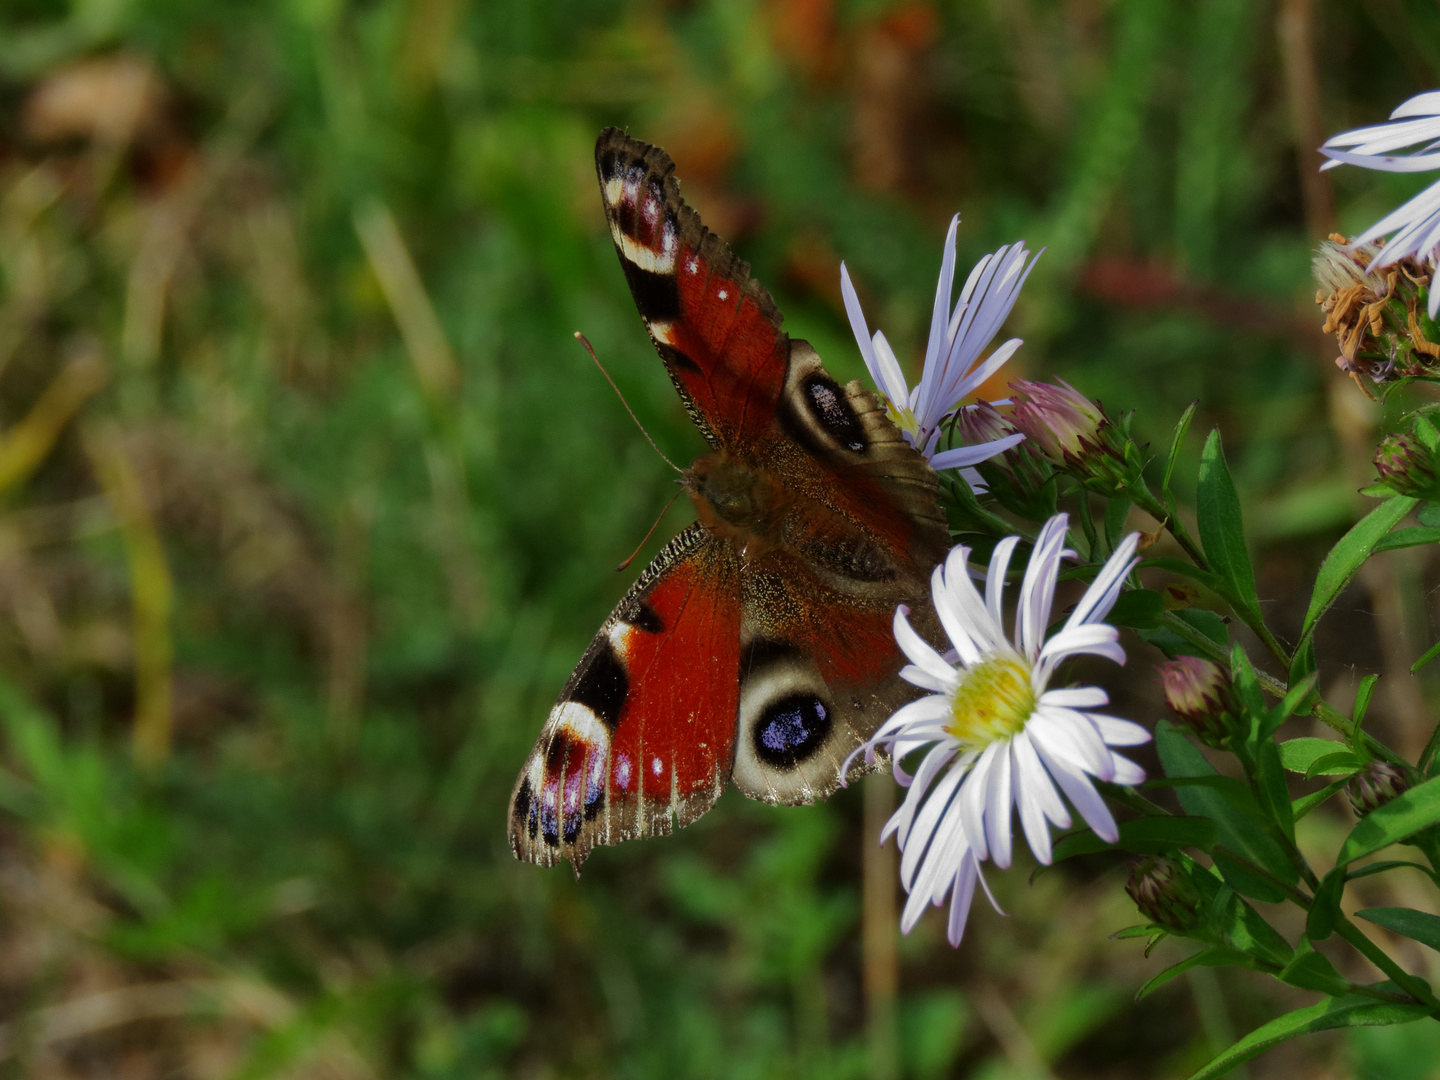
point(282, 607)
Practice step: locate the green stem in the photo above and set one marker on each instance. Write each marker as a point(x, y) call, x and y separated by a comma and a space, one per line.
point(1426, 755)
point(1146, 500)
point(1087, 524)
point(1377, 956)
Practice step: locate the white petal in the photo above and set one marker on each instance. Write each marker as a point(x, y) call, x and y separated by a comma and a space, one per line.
point(1402, 163)
point(919, 651)
point(974, 794)
point(857, 324)
point(917, 676)
point(888, 375)
point(1127, 773)
point(922, 831)
point(1076, 697)
point(1117, 732)
point(1084, 797)
point(973, 455)
point(1038, 588)
point(1070, 735)
point(950, 610)
point(1035, 797)
point(1426, 104)
point(960, 900)
point(1100, 597)
point(997, 807)
point(930, 767)
point(995, 580)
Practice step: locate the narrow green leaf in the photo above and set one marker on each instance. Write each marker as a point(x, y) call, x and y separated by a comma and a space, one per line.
point(1224, 800)
point(1386, 866)
point(1342, 762)
point(1430, 654)
point(1412, 537)
point(1393, 822)
point(1310, 970)
point(1303, 805)
point(1222, 532)
point(1350, 1011)
point(1349, 553)
point(1145, 836)
point(1325, 908)
point(1245, 881)
point(1137, 931)
point(1298, 755)
point(1203, 958)
point(1303, 665)
point(1362, 703)
point(1419, 926)
point(1271, 787)
point(1181, 430)
point(1139, 609)
point(1116, 511)
point(1241, 927)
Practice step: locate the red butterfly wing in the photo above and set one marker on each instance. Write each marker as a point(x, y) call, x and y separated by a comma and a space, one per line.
point(715, 327)
point(643, 734)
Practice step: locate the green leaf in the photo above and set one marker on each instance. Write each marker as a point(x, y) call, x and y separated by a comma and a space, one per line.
point(1146, 836)
point(1430, 654)
point(1137, 931)
point(1325, 907)
point(1298, 755)
point(1116, 511)
point(1430, 514)
point(1393, 822)
point(1224, 800)
point(1349, 554)
point(1413, 537)
point(1222, 532)
point(1419, 926)
point(1270, 785)
point(1362, 703)
point(1350, 1011)
point(1386, 866)
point(1303, 805)
point(1302, 664)
point(1242, 675)
point(1310, 970)
point(1203, 958)
point(1342, 762)
point(1180, 567)
point(1245, 881)
point(1139, 609)
point(1176, 442)
point(1239, 926)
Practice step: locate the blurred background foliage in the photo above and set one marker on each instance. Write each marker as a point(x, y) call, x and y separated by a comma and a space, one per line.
point(309, 503)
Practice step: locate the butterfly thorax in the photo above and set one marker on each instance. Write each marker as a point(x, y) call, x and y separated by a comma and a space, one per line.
point(739, 501)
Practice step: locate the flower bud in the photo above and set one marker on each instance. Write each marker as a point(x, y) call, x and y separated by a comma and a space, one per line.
point(1406, 466)
point(1378, 317)
point(1200, 694)
point(1074, 433)
point(1162, 890)
point(1020, 477)
point(1374, 786)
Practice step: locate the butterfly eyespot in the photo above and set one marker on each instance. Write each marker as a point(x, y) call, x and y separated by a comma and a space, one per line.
point(791, 729)
point(832, 412)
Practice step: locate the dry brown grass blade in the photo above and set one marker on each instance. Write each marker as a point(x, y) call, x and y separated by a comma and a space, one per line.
point(151, 589)
point(29, 442)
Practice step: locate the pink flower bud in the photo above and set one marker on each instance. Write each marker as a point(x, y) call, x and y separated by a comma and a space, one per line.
point(1200, 695)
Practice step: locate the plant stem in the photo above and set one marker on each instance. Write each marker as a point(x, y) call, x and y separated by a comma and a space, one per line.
point(1146, 500)
point(1377, 956)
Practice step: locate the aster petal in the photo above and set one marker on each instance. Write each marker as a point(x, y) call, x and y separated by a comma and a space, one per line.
point(930, 707)
point(920, 652)
point(918, 676)
point(904, 817)
point(1380, 138)
point(1076, 697)
point(1401, 163)
point(1069, 735)
point(1417, 208)
point(995, 580)
point(1036, 798)
point(1117, 732)
point(1037, 590)
point(1100, 597)
point(951, 610)
point(973, 796)
point(940, 315)
point(969, 606)
point(997, 806)
point(1127, 773)
point(922, 831)
point(973, 455)
point(1434, 308)
point(1082, 794)
point(888, 375)
point(945, 857)
point(964, 893)
point(1426, 104)
point(1094, 640)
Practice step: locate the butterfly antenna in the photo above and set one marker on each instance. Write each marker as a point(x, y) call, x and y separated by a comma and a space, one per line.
point(591, 350)
point(651, 533)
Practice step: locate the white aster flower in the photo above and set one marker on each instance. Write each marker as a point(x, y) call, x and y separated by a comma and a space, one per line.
point(999, 738)
point(1416, 225)
point(957, 337)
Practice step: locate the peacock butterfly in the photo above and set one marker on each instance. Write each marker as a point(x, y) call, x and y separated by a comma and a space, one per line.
point(757, 646)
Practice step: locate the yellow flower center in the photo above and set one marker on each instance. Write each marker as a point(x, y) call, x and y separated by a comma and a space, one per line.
point(902, 417)
point(993, 702)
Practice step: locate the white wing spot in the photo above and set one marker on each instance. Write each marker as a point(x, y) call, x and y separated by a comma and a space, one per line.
point(657, 766)
point(693, 266)
point(662, 331)
point(723, 294)
point(622, 771)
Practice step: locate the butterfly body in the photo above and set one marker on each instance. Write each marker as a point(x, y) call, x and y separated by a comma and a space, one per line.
point(757, 646)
